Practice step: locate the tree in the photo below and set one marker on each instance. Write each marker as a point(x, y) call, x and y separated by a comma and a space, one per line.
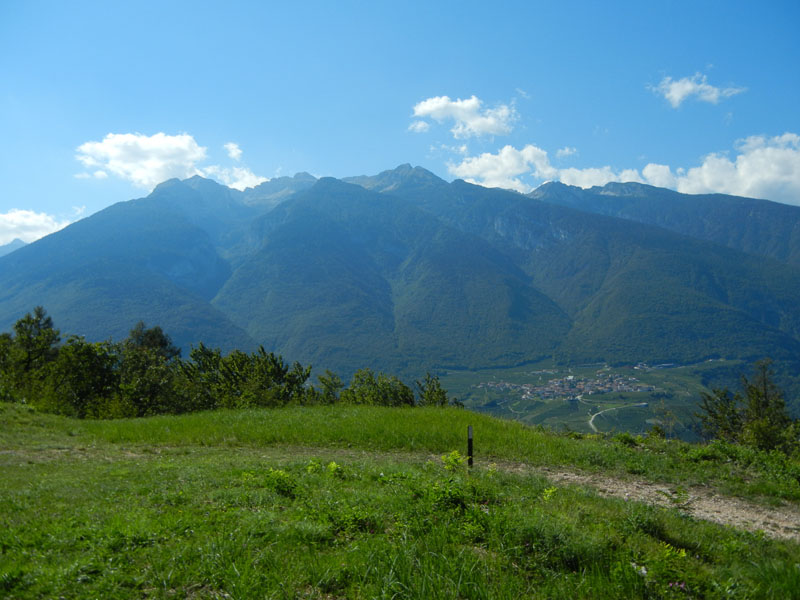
point(721, 415)
point(331, 385)
point(147, 372)
point(6, 375)
point(146, 382)
point(767, 422)
point(241, 380)
point(83, 378)
point(25, 356)
point(35, 339)
point(153, 338)
point(384, 390)
point(758, 418)
point(431, 392)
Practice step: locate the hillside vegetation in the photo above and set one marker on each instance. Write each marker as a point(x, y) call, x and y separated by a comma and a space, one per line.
point(405, 273)
point(364, 502)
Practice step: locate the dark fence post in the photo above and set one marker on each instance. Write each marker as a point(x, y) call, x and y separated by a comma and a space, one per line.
point(469, 446)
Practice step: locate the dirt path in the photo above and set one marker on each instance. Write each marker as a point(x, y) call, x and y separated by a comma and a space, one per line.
point(700, 502)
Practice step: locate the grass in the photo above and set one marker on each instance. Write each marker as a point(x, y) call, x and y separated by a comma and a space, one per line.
point(732, 470)
point(353, 502)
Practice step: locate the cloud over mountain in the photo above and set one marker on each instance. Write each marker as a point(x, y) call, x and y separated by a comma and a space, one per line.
point(471, 119)
point(146, 160)
point(27, 225)
point(763, 167)
point(141, 159)
point(239, 178)
point(504, 168)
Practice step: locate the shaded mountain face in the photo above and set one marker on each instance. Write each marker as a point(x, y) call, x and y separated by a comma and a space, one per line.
point(632, 289)
point(11, 246)
point(405, 272)
point(348, 277)
point(753, 226)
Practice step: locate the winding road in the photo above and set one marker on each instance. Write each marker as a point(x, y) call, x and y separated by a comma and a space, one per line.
point(591, 419)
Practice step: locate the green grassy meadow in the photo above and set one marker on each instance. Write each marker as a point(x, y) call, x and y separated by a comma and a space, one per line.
point(357, 502)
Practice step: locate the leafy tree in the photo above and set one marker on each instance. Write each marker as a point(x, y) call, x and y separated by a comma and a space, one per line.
point(721, 415)
point(6, 379)
point(767, 422)
point(147, 383)
point(331, 385)
point(24, 356)
point(757, 418)
point(384, 390)
point(431, 392)
point(202, 377)
point(83, 379)
point(36, 339)
point(153, 338)
point(240, 380)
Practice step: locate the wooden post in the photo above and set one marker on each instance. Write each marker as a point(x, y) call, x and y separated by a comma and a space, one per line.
point(469, 446)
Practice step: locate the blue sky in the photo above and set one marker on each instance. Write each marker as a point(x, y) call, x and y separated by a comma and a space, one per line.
point(101, 100)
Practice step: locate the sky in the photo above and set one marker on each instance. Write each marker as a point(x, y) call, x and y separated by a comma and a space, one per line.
point(101, 101)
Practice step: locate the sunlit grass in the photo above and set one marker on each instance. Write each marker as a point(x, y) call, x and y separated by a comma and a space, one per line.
point(435, 430)
point(349, 502)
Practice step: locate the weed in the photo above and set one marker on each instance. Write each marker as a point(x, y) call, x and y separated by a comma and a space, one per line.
point(547, 493)
point(335, 470)
point(453, 461)
point(282, 482)
point(313, 466)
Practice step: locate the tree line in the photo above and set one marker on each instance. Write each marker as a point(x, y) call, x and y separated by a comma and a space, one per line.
point(145, 375)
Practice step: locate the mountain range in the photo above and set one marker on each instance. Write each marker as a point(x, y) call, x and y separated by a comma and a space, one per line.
point(405, 272)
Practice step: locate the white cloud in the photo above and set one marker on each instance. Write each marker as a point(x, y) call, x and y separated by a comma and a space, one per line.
point(470, 118)
point(233, 150)
point(419, 126)
point(143, 160)
point(504, 168)
point(146, 161)
point(99, 174)
point(27, 225)
point(592, 176)
point(238, 178)
point(659, 176)
point(763, 167)
point(566, 151)
point(675, 91)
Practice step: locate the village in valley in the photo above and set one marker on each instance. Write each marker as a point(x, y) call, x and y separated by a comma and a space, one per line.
point(570, 386)
point(592, 397)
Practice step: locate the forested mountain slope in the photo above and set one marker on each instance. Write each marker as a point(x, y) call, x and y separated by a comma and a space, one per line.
point(403, 271)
